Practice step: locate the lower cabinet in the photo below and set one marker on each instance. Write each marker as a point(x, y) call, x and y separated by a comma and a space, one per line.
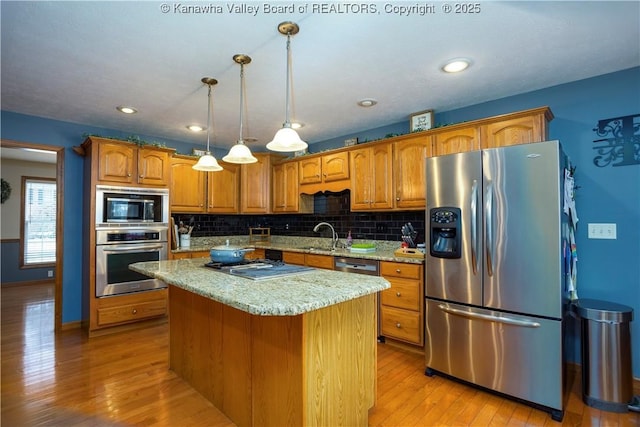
point(311, 260)
point(401, 306)
point(122, 309)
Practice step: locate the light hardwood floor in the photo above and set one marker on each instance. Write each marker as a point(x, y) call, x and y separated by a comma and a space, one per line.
point(124, 380)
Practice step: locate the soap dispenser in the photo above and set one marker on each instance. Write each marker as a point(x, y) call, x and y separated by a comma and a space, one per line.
point(349, 239)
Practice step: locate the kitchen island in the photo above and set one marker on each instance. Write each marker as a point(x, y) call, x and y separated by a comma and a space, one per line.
point(296, 350)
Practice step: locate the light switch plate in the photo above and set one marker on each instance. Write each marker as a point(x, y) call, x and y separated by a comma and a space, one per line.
point(602, 231)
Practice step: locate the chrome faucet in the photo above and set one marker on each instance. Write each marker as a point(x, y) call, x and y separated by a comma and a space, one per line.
point(334, 235)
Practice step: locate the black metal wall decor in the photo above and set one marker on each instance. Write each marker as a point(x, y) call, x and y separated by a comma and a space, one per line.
point(620, 141)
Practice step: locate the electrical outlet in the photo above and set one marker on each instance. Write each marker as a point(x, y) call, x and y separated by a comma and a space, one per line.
point(602, 231)
point(50, 273)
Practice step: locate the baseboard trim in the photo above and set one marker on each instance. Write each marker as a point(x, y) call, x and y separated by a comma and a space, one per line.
point(70, 326)
point(28, 283)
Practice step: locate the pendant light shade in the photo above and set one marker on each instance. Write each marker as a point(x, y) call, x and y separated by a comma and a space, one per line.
point(287, 139)
point(240, 153)
point(208, 163)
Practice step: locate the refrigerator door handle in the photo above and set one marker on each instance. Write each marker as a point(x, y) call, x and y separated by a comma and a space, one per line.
point(499, 319)
point(474, 226)
point(488, 218)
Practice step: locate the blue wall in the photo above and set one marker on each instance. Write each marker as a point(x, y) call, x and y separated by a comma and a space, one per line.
point(608, 269)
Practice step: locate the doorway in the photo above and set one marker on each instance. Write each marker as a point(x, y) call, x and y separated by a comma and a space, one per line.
point(59, 152)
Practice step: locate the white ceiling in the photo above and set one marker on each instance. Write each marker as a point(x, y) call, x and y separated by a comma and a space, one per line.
point(77, 61)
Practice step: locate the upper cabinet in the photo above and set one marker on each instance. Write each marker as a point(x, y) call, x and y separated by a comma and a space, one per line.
point(458, 140)
point(285, 190)
point(516, 128)
point(223, 189)
point(255, 184)
point(372, 177)
point(409, 167)
point(187, 190)
point(125, 163)
point(328, 172)
point(195, 191)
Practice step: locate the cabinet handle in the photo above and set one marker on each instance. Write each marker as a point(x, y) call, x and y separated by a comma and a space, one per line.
point(398, 294)
point(134, 311)
point(129, 175)
point(141, 176)
point(398, 325)
point(397, 270)
point(397, 199)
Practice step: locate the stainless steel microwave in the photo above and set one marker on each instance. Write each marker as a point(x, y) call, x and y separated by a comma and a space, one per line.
point(131, 206)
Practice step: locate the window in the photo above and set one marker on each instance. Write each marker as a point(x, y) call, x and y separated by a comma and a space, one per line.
point(38, 238)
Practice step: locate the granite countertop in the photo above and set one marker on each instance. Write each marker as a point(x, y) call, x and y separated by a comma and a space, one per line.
point(385, 249)
point(282, 296)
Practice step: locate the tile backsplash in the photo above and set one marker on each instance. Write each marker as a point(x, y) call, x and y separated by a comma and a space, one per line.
point(329, 207)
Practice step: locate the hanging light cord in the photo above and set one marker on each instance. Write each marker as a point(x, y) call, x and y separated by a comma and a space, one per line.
point(242, 106)
point(208, 118)
point(287, 122)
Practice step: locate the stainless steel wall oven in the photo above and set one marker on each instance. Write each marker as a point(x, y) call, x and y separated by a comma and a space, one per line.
point(116, 248)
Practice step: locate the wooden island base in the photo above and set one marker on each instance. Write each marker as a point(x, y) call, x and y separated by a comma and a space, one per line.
point(312, 369)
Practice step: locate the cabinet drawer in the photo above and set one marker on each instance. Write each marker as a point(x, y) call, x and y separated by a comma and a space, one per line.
point(320, 261)
point(296, 258)
point(131, 312)
point(401, 324)
point(402, 294)
point(401, 269)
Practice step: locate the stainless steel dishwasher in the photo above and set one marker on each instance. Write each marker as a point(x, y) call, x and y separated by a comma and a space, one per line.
point(360, 266)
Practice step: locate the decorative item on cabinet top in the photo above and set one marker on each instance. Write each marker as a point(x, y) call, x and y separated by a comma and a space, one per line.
point(422, 120)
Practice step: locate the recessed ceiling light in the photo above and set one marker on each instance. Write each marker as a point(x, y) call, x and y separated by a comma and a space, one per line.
point(456, 65)
point(368, 102)
point(126, 110)
point(196, 128)
point(297, 125)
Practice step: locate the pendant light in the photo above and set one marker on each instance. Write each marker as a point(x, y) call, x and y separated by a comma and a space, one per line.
point(240, 153)
point(287, 139)
point(208, 163)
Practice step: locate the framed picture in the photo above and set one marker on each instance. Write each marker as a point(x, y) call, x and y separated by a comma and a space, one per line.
point(351, 141)
point(421, 121)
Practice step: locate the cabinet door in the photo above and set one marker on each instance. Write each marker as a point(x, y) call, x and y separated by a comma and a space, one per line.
point(187, 188)
point(410, 172)
point(223, 188)
point(255, 194)
point(456, 141)
point(382, 177)
point(335, 166)
point(310, 170)
point(520, 130)
point(285, 187)
point(360, 161)
point(116, 163)
point(153, 167)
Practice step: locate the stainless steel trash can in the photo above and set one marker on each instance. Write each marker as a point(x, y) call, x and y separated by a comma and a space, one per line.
point(606, 354)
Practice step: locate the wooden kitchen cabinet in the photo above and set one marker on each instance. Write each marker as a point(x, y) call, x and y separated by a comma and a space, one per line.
point(328, 172)
point(125, 163)
point(131, 308)
point(372, 178)
point(409, 167)
point(193, 191)
point(187, 189)
point(255, 184)
point(223, 189)
point(459, 139)
point(286, 197)
point(401, 306)
point(516, 128)
point(311, 260)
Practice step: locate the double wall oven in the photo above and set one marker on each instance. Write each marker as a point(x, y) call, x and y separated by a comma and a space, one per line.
point(131, 226)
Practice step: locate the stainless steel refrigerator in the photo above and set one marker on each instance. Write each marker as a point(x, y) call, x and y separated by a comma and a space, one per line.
point(495, 297)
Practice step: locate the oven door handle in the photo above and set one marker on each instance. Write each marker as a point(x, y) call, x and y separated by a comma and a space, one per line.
point(133, 248)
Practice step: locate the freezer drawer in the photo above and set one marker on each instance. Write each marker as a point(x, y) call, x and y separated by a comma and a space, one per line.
point(516, 355)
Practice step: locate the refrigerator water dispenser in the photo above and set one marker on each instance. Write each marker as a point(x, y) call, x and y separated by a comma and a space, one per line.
point(445, 232)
